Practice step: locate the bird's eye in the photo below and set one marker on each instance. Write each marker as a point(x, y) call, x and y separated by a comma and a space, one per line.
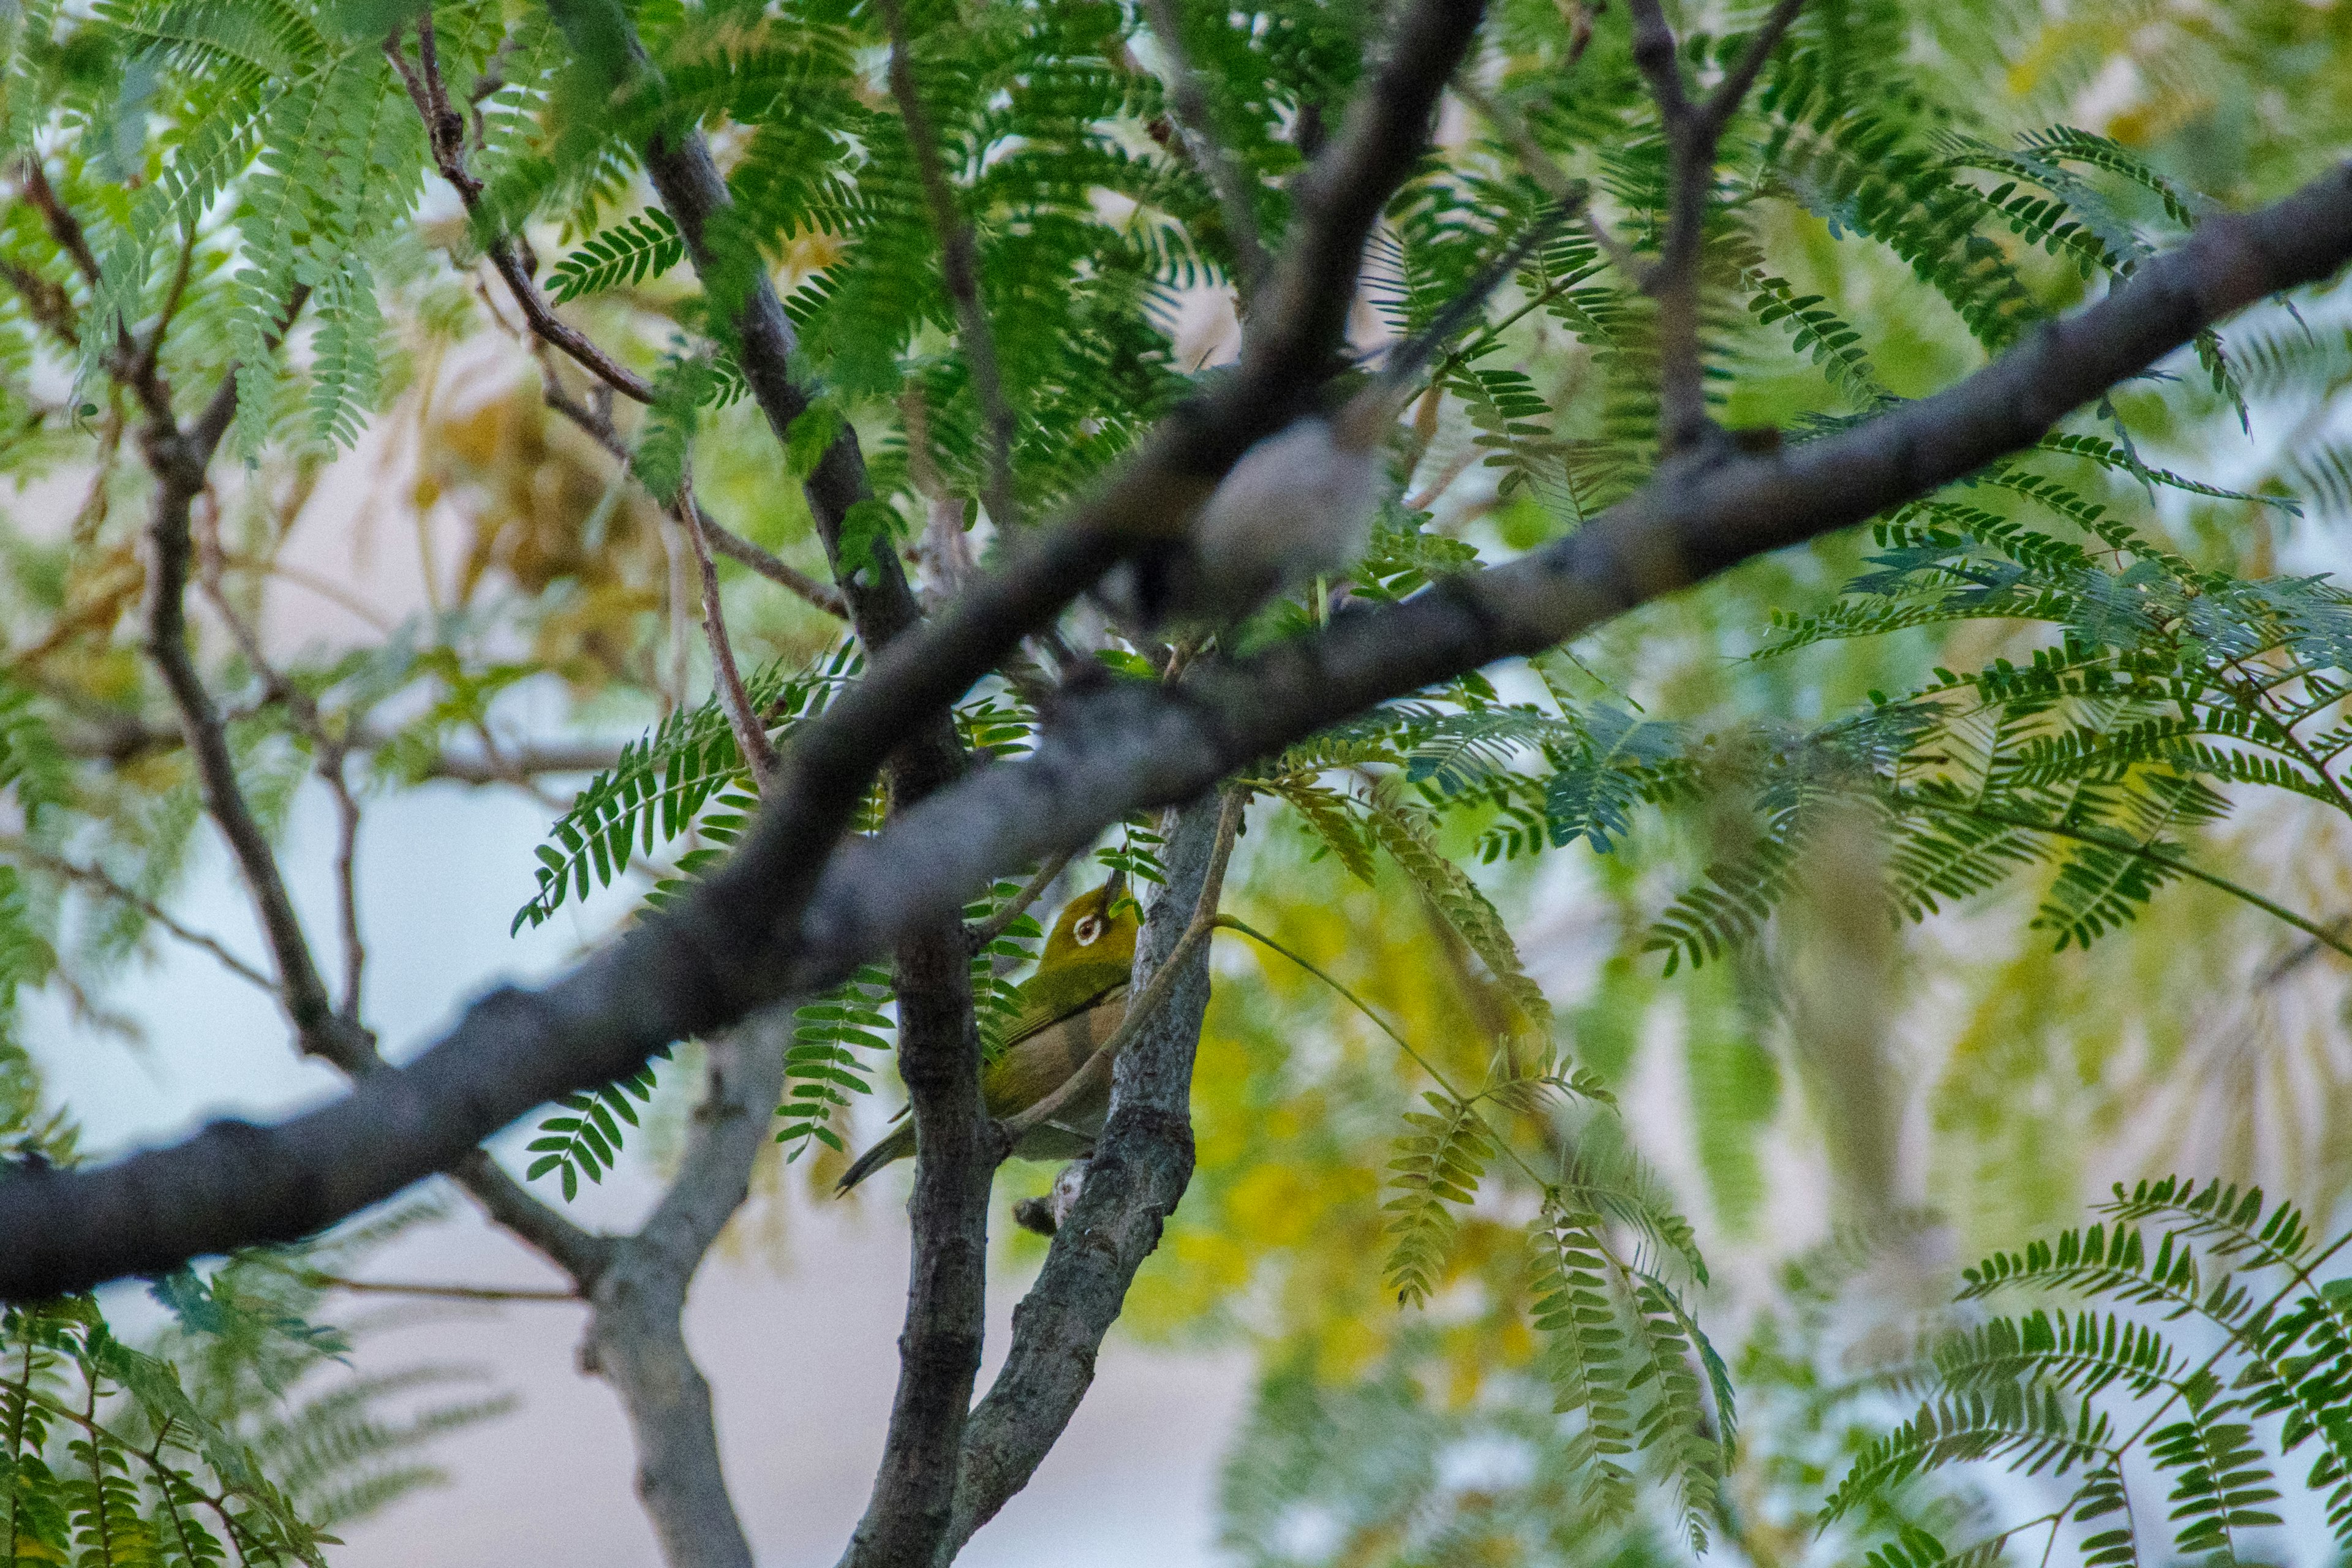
point(1086, 930)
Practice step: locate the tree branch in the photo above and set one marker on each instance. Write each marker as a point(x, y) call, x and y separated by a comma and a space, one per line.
point(795, 909)
point(27, 853)
point(1693, 132)
point(598, 426)
point(792, 579)
point(446, 130)
point(1139, 1168)
point(331, 754)
point(958, 1148)
point(178, 460)
point(750, 730)
point(1228, 179)
point(438, 1292)
point(637, 1340)
point(960, 269)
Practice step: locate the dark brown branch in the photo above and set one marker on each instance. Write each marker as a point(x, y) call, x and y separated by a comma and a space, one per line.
point(960, 270)
point(1733, 90)
point(880, 602)
point(1232, 184)
point(60, 219)
point(136, 370)
point(150, 353)
point(788, 916)
point(943, 550)
point(750, 730)
point(792, 579)
point(446, 130)
point(46, 301)
point(597, 425)
point(1694, 130)
point(178, 460)
point(331, 755)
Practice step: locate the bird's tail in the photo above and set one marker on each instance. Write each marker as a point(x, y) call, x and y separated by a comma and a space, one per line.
point(897, 1144)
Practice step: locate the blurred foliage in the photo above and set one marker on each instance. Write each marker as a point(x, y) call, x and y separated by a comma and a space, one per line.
point(1970, 864)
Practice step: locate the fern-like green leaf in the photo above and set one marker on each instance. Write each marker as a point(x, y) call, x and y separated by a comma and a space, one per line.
point(1438, 1162)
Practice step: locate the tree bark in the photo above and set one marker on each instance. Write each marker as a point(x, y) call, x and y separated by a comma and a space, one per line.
point(1140, 1169)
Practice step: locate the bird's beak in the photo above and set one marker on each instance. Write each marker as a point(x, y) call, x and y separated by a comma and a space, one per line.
point(1115, 889)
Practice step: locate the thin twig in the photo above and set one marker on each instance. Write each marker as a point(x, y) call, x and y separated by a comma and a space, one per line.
point(750, 733)
point(960, 259)
point(997, 924)
point(1734, 89)
point(66, 228)
point(943, 550)
point(1095, 1074)
point(670, 690)
point(1232, 182)
point(598, 426)
point(1549, 177)
point(741, 551)
point(331, 751)
point(326, 588)
point(142, 368)
point(440, 1292)
point(46, 301)
point(2295, 957)
point(446, 130)
point(106, 886)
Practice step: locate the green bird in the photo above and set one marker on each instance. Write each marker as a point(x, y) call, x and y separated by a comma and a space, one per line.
point(1069, 1008)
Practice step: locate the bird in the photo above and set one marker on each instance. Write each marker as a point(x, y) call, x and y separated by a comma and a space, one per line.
point(1300, 503)
point(1068, 1009)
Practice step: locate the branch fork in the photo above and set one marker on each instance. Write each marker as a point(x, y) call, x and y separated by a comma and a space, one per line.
point(1694, 130)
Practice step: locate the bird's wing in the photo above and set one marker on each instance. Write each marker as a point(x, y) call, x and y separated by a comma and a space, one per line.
point(1043, 1005)
point(1041, 1009)
point(1040, 1062)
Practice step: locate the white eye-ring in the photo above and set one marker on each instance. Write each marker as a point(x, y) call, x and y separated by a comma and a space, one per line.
point(1086, 930)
